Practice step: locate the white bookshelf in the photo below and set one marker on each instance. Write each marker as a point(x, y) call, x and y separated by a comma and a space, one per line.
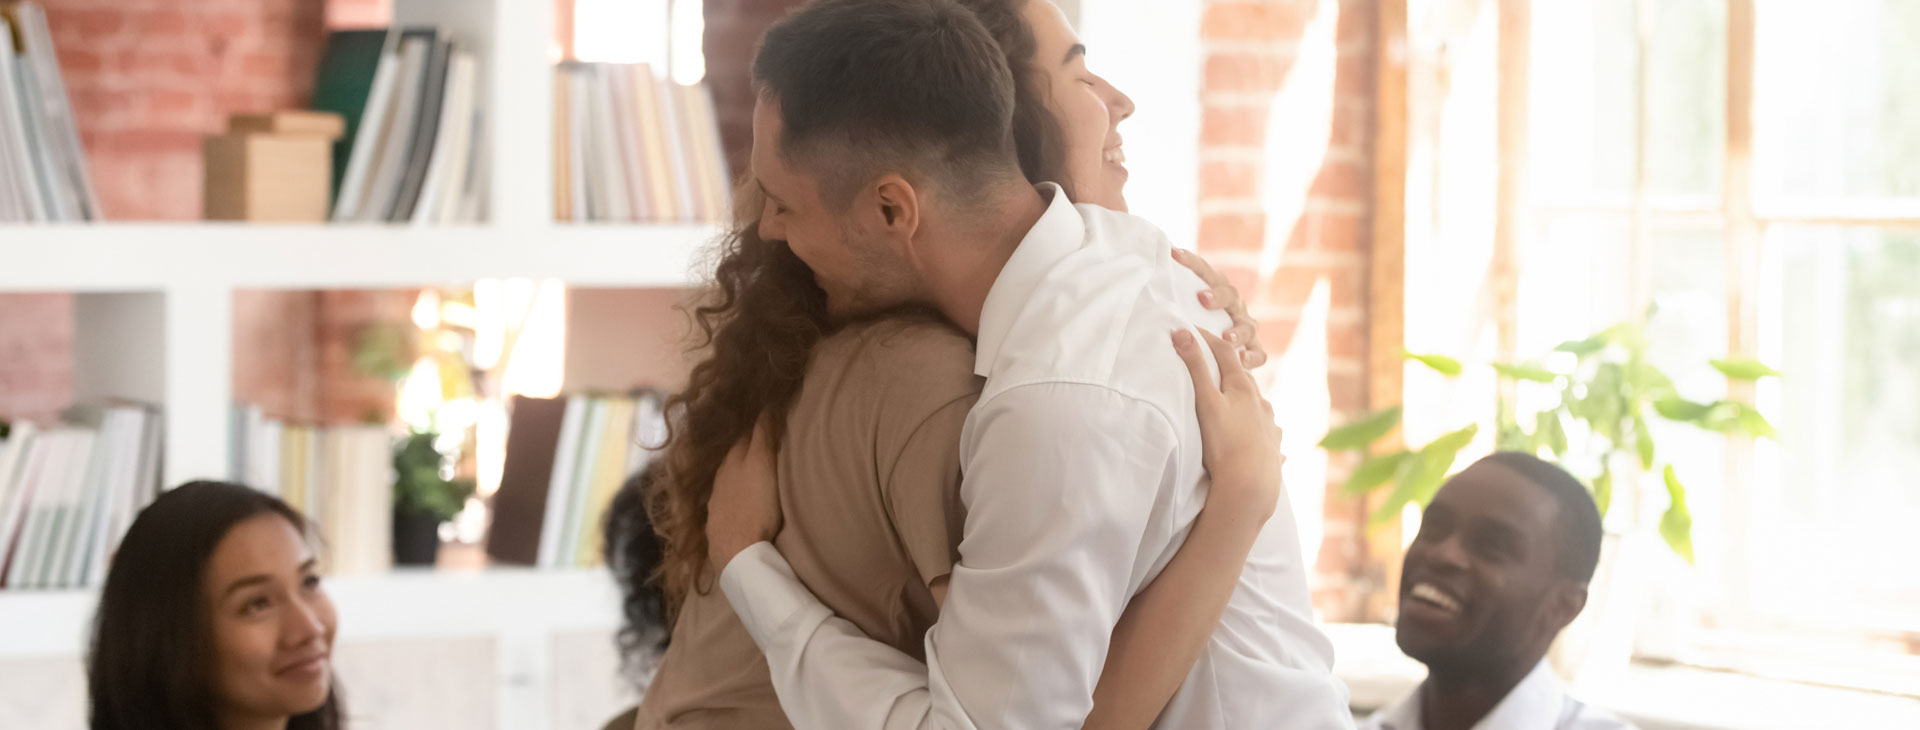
point(155, 305)
point(154, 323)
point(161, 257)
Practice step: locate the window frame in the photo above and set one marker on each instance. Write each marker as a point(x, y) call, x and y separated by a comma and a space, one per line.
point(1735, 635)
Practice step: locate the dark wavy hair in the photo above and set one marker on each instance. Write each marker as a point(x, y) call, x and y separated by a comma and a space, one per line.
point(1037, 137)
point(148, 666)
point(633, 552)
point(758, 322)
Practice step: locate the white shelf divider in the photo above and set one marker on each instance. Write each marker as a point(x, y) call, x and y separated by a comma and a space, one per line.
point(166, 257)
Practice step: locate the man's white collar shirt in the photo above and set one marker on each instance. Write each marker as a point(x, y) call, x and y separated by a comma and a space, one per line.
point(1081, 477)
point(1538, 702)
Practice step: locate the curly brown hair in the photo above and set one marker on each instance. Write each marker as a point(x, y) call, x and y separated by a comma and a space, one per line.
point(759, 320)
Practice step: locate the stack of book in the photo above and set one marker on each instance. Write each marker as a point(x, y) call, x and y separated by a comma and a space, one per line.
point(340, 477)
point(43, 170)
point(631, 147)
point(67, 494)
point(565, 460)
point(414, 126)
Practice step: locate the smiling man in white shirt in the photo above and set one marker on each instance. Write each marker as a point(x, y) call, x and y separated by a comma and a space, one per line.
point(882, 138)
point(1499, 567)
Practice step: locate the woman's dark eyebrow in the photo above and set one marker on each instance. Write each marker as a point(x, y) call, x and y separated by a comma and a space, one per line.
point(306, 567)
point(243, 583)
point(1078, 49)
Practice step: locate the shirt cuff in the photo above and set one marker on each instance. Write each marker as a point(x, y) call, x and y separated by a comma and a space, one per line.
point(766, 594)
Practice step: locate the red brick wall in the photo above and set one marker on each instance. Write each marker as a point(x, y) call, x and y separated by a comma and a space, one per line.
point(1259, 62)
point(36, 355)
point(149, 79)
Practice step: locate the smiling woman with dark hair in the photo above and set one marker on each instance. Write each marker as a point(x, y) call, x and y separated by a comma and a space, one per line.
point(212, 618)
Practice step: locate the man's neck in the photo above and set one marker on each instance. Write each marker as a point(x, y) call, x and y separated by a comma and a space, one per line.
point(960, 279)
point(1458, 698)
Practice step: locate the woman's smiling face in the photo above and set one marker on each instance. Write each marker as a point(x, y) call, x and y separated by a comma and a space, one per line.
point(1088, 109)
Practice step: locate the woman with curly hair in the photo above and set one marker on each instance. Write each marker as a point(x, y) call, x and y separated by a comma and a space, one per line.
point(870, 411)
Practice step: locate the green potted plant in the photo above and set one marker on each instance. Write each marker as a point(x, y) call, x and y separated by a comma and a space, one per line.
point(1604, 384)
point(1603, 396)
point(423, 498)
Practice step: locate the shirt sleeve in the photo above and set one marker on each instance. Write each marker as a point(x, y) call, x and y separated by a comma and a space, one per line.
point(1060, 483)
point(922, 491)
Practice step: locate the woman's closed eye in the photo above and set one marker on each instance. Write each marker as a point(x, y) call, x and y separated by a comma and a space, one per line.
point(255, 606)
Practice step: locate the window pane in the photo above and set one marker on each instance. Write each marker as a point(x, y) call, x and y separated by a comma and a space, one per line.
point(1835, 505)
point(1574, 280)
point(1836, 113)
point(1686, 96)
point(1582, 97)
point(1687, 329)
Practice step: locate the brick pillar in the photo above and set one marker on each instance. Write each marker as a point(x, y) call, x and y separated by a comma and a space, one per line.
point(36, 355)
point(1286, 211)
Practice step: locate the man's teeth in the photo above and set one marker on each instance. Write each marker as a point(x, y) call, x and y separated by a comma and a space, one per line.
point(1430, 594)
point(1116, 155)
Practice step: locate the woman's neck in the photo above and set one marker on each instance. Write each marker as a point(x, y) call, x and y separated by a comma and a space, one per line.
point(237, 721)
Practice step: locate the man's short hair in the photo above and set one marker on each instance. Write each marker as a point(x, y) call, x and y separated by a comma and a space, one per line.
point(1579, 519)
point(917, 86)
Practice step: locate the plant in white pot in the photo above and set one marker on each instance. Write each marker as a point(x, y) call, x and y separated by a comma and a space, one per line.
point(1602, 397)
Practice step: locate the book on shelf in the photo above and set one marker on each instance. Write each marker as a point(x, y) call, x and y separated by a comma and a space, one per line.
point(566, 459)
point(339, 477)
point(632, 147)
point(43, 169)
point(68, 492)
point(416, 127)
point(348, 65)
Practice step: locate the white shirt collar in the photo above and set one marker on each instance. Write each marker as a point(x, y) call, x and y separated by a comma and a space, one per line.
point(1535, 703)
point(1059, 232)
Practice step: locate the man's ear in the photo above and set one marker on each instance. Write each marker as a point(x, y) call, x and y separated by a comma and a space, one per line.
point(1564, 602)
point(899, 208)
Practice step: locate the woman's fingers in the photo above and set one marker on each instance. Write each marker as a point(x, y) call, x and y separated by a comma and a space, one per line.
point(1222, 295)
point(1205, 395)
point(1233, 375)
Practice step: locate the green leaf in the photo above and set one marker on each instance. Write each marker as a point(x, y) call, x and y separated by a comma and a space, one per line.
point(1403, 490)
point(1676, 526)
point(1440, 363)
point(1452, 442)
point(1373, 472)
point(1744, 369)
point(1583, 348)
point(1625, 334)
point(1675, 408)
point(1722, 417)
point(1643, 440)
point(1753, 423)
point(1421, 478)
point(1526, 371)
point(1547, 427)
point(1603, 491)
point(1507, 435)
point(1362, 433)
point(1648, 380)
